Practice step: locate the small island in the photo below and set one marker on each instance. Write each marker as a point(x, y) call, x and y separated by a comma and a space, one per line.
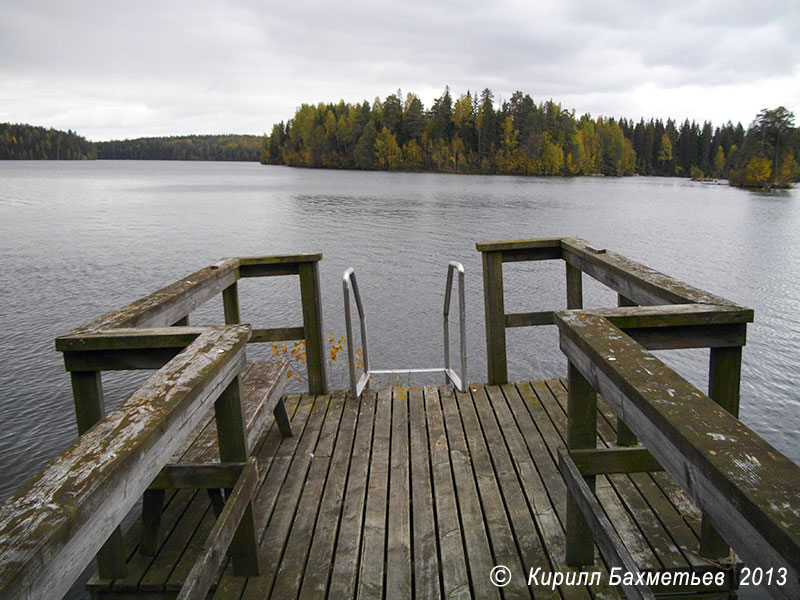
point(521, 137)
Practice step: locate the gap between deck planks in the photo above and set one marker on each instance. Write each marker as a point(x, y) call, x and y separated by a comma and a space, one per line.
point(420, 493)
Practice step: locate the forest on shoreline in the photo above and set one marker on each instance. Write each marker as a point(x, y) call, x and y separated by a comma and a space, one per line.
point(28, 142)
point(470, 134)
point(521, 137)
point(190, 147)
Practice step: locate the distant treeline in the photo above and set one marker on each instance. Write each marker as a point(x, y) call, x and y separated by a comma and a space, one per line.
point(192, 147)
point(27, 142)
point(469, 135)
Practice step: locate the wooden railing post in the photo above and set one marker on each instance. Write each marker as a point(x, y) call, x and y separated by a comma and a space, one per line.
point(581, 433)
point(312, 324)
point(232, 438)
point(724, 379)
point(494, 309)
point(625, 437)
point(87, 393)
point(230, 304)
point(574, 287)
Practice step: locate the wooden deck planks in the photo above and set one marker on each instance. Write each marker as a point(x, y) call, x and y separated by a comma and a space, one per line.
point(417, 493)
point(528, 542)
point(532, 485)
point(344, 570)
point(293, 562)
point(427, 585)
point(452, 557)
point(474, 528)
point(320, 429)
point(398, 546)
point(320, 556)
point(373, 553)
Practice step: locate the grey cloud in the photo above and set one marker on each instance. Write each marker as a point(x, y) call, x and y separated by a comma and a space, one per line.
point(179, 67)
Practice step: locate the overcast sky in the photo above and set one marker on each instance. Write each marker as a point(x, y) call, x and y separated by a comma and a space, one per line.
point(112, 69)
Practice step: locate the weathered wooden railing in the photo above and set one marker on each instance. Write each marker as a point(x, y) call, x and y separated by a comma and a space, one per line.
point(51, 528)
point(172, 305)
point(746, 489)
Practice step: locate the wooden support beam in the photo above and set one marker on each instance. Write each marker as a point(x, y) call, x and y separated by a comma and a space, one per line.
point(270, 387)
point(530, 319)
point(724, 378)
point(574, 287)
point(514, 245)
point(495, 318)
point(87, 394)
point(691, 336)
point(282, 419)
point(222, 536)
point(119, 360)
point(230, 304)
point(625, 436)
point(528, 254)
point(312, 323)
point(581, 433)
point(600, 527)
point(233, 447)
point(605, 461)
point(152, 507)
point(129, 338)
point(277, 334)
point(270, 266)
point(177, 476)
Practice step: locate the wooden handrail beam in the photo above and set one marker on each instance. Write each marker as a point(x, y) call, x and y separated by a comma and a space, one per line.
point(633, 280)
point(169, 304)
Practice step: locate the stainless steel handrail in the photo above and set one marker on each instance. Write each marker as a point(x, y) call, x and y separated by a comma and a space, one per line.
point(349, 281)
point(459, 382)
point(357, 385)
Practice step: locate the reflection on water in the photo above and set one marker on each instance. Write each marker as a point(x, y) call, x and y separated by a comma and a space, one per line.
point(80, 239)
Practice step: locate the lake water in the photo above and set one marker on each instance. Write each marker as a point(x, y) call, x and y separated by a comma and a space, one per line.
point(79, 239)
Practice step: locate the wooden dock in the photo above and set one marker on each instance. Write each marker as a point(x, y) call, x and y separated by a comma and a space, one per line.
point(419, 493)
point(621, 479)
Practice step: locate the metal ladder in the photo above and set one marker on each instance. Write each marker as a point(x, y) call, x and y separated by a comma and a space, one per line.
point(357, 385)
